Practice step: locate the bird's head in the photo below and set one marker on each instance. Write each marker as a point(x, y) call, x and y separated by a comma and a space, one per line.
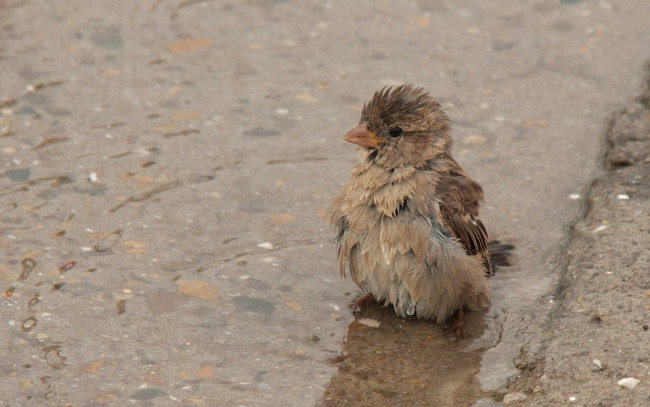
point(402, 126)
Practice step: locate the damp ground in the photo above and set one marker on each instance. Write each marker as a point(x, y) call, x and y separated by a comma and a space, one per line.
point(165, 169)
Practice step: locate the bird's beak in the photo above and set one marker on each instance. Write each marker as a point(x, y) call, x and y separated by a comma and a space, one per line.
point(360, 135)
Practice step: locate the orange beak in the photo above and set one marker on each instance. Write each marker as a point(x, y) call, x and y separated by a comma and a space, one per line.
point(360, 135)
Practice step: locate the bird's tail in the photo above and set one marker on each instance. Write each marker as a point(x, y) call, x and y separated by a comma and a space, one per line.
point(500, 254)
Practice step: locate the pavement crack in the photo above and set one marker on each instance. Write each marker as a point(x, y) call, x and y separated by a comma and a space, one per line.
point(281, 245)
point(160, 189)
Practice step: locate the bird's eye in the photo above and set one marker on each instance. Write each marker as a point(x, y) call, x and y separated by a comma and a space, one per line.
point(395, 132)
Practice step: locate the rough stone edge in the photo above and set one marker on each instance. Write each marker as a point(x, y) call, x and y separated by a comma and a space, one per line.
point(538, 318)
point(613, 155)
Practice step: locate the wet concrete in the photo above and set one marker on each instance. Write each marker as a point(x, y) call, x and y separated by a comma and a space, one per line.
point(166, 165)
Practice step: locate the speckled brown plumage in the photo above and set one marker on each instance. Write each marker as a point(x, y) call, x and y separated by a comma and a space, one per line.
point(409, 231)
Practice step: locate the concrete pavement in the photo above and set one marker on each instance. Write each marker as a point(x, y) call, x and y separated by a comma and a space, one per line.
point(165, 168)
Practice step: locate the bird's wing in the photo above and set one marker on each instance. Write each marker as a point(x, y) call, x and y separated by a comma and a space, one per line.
point(459, 201)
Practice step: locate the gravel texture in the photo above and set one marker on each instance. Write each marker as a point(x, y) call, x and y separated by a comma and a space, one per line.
point(593, 350)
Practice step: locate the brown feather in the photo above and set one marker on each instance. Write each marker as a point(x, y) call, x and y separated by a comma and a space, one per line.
point(460, 197)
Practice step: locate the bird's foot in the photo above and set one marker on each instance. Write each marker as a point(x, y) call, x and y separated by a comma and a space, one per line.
point(457, 328)
point(362, 302)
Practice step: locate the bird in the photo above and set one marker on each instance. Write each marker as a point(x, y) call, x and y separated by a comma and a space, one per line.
point(409, 232)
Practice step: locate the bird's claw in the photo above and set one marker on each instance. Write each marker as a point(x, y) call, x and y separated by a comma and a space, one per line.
point(457, 328)
point(364, 300)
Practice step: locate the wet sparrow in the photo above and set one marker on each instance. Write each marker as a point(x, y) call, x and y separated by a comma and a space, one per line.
point(409, 231)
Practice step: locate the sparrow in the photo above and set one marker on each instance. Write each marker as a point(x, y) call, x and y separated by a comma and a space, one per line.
point(409, 232)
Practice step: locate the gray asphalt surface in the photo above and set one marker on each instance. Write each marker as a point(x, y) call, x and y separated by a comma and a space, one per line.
point(165, 167)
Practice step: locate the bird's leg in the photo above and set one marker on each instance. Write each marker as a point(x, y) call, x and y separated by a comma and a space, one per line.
point(457, 327)
point(362, 302)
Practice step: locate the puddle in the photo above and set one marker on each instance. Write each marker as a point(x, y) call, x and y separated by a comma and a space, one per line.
point(409, 362)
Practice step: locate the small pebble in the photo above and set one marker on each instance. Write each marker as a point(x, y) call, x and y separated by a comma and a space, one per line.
point(514, 397)
point(574, 196)
point(572, 398)
point(598, 229)
point(623, 196)
point(373, 323)
point(628, 382)
point(598, 363)
point(265, 245)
